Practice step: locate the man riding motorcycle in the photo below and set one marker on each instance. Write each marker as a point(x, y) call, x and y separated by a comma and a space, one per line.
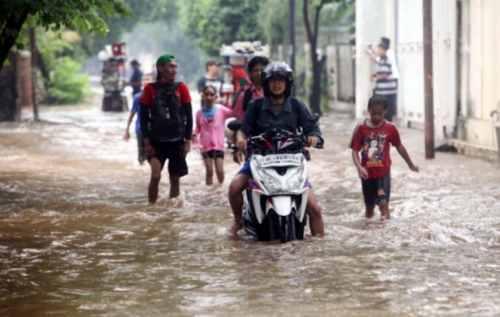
point(277, 108)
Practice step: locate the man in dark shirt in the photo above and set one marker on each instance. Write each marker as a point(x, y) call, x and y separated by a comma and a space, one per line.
point(212, 78)
point(136, 78)
point(277, 110)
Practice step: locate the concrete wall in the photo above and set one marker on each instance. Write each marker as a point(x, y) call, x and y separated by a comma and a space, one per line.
point(15, 86)
point(24, 82)
point(480, 84)
point(374, 18)
point(345, 73)
point(466, 57)
point(402, 22)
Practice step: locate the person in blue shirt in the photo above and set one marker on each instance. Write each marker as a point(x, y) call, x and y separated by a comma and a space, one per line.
point(146, 79)
point(276, 108)
point(136, 78)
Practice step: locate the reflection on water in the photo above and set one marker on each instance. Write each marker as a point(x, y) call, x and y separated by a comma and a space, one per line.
point(78, 238)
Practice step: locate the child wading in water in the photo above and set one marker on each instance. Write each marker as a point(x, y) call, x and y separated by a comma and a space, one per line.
point(210, 128)
point(373, 138)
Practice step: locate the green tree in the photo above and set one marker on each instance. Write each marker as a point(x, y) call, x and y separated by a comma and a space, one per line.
point(215, 22)
point(312, 32)
point(144, 40)
point(273, 19)
point(165, 11)
point(81, 15)
point(66, 85)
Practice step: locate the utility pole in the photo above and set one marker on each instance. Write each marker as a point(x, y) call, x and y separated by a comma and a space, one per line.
point(291, 29)
point(33, 72)
point(428, 79)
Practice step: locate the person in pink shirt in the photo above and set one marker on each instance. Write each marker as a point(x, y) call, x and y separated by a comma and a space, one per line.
point(254, 89)
point(210, 131)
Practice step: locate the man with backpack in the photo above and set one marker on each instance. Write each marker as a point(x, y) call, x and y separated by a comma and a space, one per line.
point(251, 91)
point(276, 108)
point(167, 125)
point(254, 89)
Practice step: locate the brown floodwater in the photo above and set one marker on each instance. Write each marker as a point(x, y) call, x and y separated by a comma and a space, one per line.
point(77, 237)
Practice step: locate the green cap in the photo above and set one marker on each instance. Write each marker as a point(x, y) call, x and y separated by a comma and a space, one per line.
point(165, 59)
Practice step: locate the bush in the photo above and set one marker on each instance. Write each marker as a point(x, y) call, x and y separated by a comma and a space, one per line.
point(66, 85)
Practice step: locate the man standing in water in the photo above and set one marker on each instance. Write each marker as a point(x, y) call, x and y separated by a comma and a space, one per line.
point(276, 108)
point(212, 78)
point(254, 89)
point(146, 79)
point(386, 82)
point(136, 78)
point(251, 91)
point(167, 125)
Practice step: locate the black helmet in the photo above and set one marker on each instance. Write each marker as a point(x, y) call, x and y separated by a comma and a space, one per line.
point(280, 69)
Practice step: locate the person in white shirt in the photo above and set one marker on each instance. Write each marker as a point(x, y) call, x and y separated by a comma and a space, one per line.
point(386, 77)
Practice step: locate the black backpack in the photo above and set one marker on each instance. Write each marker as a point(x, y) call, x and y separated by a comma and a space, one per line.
point(247, 97)
point(169, 117)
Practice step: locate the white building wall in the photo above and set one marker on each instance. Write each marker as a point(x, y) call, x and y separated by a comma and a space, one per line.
point(407, 17)
point(374, 19)
point(410, 62)
point(480, 90)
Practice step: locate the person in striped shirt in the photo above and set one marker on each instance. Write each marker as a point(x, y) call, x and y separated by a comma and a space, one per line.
point(386, 83)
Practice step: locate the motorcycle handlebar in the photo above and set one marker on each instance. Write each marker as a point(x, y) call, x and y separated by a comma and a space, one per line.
point(301, 138)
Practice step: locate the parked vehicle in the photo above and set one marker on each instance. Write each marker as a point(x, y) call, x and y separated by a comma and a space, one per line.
point(113, 60)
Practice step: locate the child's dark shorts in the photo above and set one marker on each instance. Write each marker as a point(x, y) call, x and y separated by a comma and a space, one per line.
point(376, 190)
point(213, 154)
point(173, 151)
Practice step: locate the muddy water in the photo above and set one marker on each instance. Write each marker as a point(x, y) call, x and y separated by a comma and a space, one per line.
point(78, 238)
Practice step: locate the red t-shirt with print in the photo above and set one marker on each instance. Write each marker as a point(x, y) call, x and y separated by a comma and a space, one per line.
point(149, 94)
point(374, 144)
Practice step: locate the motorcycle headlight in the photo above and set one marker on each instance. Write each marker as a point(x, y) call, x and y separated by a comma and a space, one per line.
point(294, 181)
point(271, 183)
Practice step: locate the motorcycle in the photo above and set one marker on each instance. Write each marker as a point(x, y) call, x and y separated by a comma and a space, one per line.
point(277, 192)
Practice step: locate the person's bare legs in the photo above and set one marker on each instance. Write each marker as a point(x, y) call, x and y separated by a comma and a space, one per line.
point(236, 188)
point(155, 180)
point(209, 168)
point(384, 210)
point(174, 186)
point(219, 169)
point(369, 211)
point(316, 219)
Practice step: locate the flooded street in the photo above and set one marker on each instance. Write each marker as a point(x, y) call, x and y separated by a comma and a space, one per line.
point(77, 237)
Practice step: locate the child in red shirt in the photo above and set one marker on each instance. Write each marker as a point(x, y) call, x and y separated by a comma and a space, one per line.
point(373, 138)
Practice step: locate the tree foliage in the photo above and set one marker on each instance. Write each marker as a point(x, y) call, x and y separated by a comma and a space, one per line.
point(66, 85)
point(144, 40)
point(166, 11)
point(273, 18)
point(81, 15)
point(215, 22)
point(312, 17)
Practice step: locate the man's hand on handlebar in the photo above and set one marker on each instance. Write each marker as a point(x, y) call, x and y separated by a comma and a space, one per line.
point(241, 140)
point(312, 140)
point(241, 144)
point(238, 156)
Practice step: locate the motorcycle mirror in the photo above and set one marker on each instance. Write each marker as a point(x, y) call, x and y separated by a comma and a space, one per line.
point(315, 118)
point(234, 125)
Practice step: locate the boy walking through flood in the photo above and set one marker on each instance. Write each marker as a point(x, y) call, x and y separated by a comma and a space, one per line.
point(373, 138)
point(146, 79)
